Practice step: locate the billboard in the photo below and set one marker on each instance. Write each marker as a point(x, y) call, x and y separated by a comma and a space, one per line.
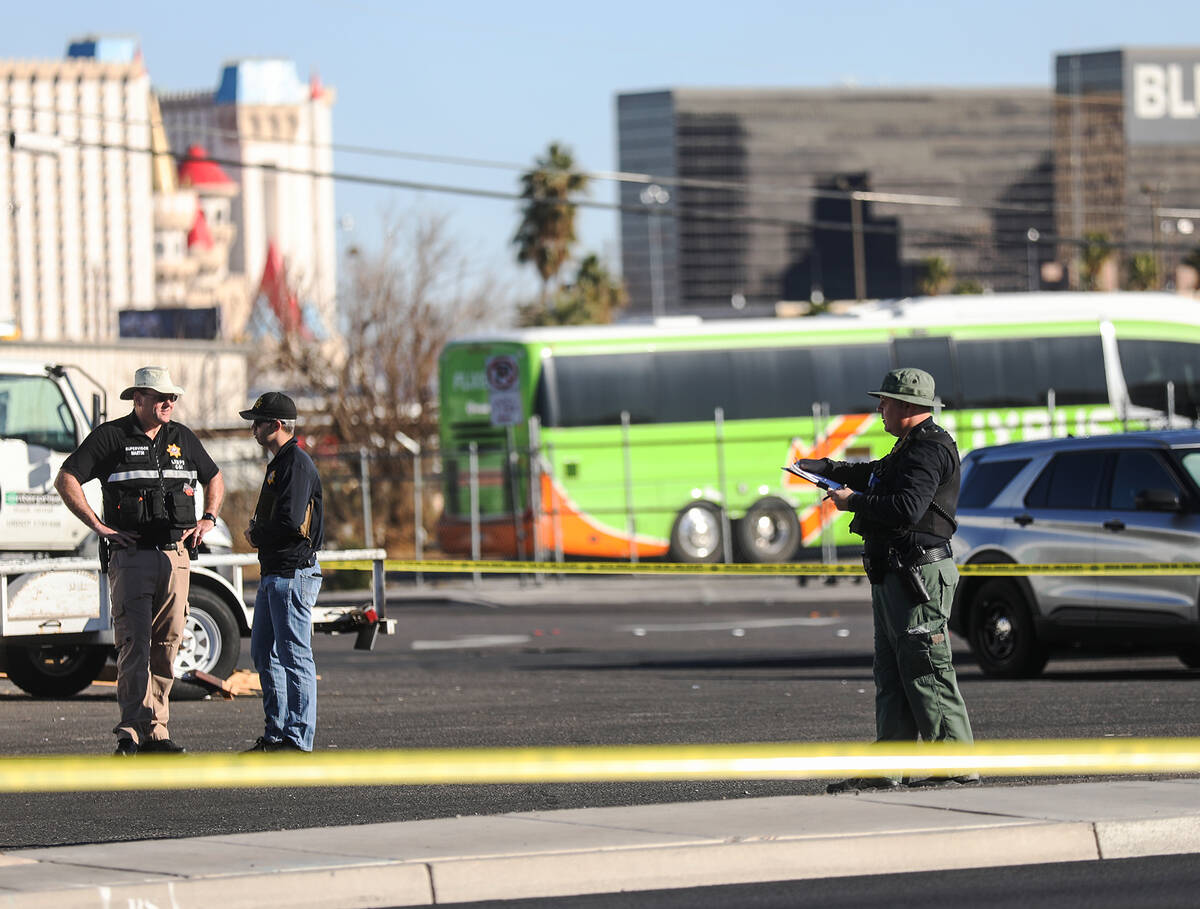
point(1161, 105)
point(170, 322)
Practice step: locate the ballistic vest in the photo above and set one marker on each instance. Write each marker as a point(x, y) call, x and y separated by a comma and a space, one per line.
point(151, 487)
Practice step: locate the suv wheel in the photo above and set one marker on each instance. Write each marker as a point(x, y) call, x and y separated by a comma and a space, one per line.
point(1003, 638)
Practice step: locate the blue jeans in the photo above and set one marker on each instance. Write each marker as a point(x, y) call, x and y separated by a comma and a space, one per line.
point(281, 647)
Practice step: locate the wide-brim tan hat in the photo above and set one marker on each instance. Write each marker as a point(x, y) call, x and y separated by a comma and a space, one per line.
point(152, 378)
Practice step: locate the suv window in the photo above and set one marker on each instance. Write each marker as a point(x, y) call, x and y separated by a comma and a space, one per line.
point(986, 480)
point(1071, 481)
point(1136, 471)
point(1191, 463)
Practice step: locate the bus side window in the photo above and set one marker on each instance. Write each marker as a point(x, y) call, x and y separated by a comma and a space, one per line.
point(772, 382)
point(1149, 365)
point(690, 384)
point(593, 390)
point(841, 372)
point(1012, 372)
point(936, 357)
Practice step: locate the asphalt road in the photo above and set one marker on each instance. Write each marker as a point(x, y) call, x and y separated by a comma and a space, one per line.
point(571, 670)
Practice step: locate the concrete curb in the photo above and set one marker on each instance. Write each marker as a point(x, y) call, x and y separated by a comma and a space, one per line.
point(563, 853)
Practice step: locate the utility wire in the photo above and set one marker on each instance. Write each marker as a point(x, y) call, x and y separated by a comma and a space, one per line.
point(620, 177)
point(932, 236)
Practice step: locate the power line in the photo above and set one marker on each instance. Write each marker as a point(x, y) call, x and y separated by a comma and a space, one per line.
point(1051, 209)
point(945, 237)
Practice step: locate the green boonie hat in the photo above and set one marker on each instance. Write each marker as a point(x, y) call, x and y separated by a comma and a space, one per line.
point(912, 385)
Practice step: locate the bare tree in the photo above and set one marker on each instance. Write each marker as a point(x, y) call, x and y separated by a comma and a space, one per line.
point(400, 304)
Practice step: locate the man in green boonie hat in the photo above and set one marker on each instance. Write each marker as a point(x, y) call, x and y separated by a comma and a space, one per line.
point(904, 507)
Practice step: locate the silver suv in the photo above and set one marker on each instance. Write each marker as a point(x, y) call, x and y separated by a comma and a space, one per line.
point(1131, 497)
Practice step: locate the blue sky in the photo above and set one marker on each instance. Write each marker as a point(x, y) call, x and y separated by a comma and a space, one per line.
point(497, 82)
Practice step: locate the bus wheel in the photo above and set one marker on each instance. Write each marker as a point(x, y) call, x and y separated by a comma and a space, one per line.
point(696, 534)
point(769, 533)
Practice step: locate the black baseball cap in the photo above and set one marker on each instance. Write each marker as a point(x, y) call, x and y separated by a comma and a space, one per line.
point(274, 405)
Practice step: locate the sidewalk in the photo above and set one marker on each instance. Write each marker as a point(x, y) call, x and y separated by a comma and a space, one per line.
point(561, 853)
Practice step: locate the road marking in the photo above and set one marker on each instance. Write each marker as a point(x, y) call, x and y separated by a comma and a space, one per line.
point(473, 640)
point(728, 626)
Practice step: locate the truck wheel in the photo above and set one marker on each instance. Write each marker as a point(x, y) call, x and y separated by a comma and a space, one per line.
point(1003, 639)
point(769, 533)
point(54, 671)
point(1190, 657)
point(696, 535)
point(211, 640)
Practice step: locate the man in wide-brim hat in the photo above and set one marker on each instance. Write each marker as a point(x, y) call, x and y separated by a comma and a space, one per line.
point(904, 506)
point(149, 467)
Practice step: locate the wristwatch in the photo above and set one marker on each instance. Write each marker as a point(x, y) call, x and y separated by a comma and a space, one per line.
point(208, 516)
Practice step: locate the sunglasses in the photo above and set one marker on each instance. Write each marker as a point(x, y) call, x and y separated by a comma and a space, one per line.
point(160, 398)
point(258, 423)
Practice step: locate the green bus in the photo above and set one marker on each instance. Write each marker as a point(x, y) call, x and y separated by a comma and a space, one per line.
point(666, 440)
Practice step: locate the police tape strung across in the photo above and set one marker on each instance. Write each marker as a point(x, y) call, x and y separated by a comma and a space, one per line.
point(600, 763)
point(811, 569)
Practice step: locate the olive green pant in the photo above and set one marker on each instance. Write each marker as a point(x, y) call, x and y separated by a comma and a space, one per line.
point(916, 690)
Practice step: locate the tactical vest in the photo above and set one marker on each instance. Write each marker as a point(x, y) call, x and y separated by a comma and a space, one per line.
point(938, 518)
point(152, 486)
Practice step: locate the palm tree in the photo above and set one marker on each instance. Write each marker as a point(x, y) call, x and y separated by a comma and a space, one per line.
point(1095, 252)
point(594, 298)
point(547, 230)
point(1143, 271)
point(936, 273)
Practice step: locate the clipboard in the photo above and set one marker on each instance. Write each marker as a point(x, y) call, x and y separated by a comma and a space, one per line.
point(816, 478)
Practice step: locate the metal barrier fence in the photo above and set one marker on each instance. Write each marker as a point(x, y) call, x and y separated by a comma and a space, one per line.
point(394, 499)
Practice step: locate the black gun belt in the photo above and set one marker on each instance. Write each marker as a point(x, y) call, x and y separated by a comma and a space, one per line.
point(936, 554)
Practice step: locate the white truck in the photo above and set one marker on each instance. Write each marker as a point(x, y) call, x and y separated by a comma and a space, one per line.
point(56, 625)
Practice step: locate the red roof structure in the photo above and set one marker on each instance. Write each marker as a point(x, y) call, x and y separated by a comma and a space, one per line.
point(282, 300)
point(199, 234)
point(197, 170)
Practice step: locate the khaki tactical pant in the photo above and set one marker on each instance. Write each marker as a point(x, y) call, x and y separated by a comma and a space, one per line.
point(916, 689)
point(149, 589)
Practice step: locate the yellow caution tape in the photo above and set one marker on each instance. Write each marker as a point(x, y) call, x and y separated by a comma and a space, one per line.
point(788, 761)
point(464, 566)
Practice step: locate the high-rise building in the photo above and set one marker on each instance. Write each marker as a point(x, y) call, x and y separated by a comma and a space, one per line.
point(76, 239)
point(822, 194)
point(1127, 153)
point(273, 134)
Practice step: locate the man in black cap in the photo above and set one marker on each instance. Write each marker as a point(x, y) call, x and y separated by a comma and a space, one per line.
point(904, 507)
point(287, 530)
